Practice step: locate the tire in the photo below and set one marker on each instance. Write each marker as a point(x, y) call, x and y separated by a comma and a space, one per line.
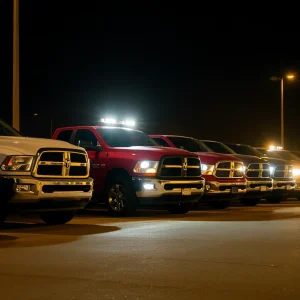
point(250, 201)
point(57, 217)
point(181, 208)
point(221, 204)
point(120, 196)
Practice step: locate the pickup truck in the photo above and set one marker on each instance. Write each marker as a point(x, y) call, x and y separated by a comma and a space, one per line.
point(42, 175)
point(292, 159)
point(224, 174)
point(281, 172)
point(257, 169)
point(129, 169)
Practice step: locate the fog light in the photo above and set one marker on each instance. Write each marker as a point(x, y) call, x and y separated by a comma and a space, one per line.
point(23, 188)
point(148, 186)
point(207, 187)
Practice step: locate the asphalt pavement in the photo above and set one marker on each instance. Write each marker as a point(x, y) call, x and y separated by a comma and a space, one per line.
point(238, 253)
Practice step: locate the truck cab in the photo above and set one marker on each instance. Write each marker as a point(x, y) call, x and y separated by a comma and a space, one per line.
point(42, 175)
point(224, 174)
point(129, 169)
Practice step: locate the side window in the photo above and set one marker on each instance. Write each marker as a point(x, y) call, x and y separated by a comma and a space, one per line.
point(161, 142)
point(64, 135)
point(85, 136)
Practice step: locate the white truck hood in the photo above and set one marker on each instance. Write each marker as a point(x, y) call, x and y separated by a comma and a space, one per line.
point(12, 145)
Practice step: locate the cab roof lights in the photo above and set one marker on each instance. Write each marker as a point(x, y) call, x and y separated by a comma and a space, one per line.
point(111, 121)
point(275, 147)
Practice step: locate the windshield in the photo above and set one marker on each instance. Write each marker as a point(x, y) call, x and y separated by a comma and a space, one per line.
point(218, 147)
point(188, 144)
point(7, 130)
point(122, 137)
point(271, 154)
point(285, 155)
point(244, 150)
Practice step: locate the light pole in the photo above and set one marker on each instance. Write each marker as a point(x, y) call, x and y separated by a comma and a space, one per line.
point(15, 104)
point(51, 123)
point(274, 78)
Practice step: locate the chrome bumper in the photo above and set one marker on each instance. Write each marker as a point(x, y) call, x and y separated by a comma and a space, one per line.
point(155, 188)
point(297, 187)
point(224, 188)
point(51, 194)
point(284, 185)
point(257, 186)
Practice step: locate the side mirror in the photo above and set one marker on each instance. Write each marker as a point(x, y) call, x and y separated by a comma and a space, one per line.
point(88, 146)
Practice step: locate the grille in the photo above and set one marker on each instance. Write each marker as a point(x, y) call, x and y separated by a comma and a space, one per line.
point(283, 171)
point(180, 167)
point(258, 171)
point(66, 164)
point(229, 169)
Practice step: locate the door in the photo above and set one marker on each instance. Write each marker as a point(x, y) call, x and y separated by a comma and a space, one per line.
point(85, 138)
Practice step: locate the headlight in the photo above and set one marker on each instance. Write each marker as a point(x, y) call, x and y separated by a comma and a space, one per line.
point(146, 166)
point(272, 170)
point(296, 172)
point(207, 169)
point(244, 169)
point(17, 163)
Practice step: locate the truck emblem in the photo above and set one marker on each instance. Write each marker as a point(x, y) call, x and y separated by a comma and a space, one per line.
point(67, 163)
point(184, 166)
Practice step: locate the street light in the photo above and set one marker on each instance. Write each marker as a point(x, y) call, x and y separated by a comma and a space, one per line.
point(274, 78)
point(15, 100)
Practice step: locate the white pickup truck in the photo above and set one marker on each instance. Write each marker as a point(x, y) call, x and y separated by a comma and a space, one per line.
point(42, 175)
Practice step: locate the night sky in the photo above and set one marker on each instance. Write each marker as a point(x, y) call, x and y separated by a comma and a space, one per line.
point(201, 76)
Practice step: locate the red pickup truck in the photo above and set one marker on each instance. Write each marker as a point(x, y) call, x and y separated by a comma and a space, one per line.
point(129, 168)
point(224, 174)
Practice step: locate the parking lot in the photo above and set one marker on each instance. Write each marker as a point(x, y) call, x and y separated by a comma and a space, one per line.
point(237, 253)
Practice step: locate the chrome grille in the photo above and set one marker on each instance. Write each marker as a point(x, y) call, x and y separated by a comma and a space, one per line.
point(283, 171)
point(177, 166)
point(64, 163)
point(229, 169)
point(258, 170)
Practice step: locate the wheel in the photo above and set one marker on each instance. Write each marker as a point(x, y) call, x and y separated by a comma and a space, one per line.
point(120, 196)
point(276, 199)
point(250, 201)
point(181, 208)
point(221, 204)
point(57, 217)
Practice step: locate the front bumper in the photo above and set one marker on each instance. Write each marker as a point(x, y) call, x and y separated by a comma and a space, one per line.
point(259, 186)
point(224, 189)
point(284, 186)
point(297, 187)
point(30, 193)
point(168, 191)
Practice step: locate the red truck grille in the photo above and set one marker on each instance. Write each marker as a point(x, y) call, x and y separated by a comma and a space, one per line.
point(180, 167)
point(229, 169)
point(258, 171)
point(61, 164)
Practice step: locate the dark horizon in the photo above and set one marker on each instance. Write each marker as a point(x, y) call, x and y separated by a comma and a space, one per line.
point(206, 77)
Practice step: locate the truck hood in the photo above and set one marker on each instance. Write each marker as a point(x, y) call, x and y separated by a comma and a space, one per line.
point(250, 159)
point(11, 145)
point(277, 161)
point(211, 158)
point(151, 153)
